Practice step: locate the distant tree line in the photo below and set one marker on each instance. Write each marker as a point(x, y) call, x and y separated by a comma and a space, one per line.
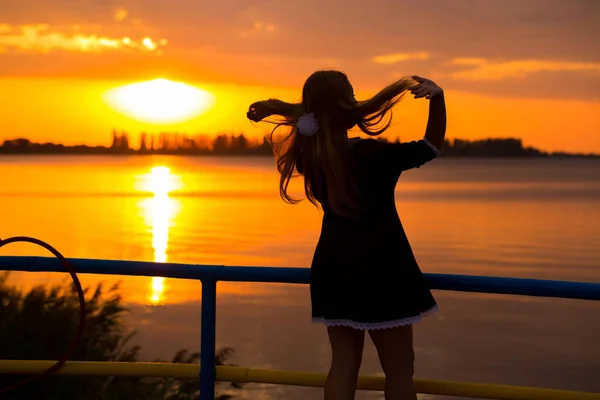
point(174, 143)
point(171, 143)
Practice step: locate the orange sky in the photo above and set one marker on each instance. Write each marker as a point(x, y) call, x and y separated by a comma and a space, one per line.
point(529, 69)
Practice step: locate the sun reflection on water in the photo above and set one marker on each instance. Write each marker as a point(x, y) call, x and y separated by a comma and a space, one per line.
point(159, 212)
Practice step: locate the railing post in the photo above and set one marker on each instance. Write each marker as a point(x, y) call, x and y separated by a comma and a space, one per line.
point(207, 339)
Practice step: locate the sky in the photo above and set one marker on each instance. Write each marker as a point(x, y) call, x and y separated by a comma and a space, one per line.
point(527, 68)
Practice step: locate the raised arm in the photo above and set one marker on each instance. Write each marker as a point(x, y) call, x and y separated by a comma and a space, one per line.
point(408, 155)
point(436, 123)
point(435, 133)
point(266, 108)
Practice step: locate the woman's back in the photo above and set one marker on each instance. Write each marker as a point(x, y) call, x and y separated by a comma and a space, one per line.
point(375, 167)
point(364, 274)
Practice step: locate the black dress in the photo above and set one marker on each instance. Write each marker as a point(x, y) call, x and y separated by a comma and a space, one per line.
point(364, 274)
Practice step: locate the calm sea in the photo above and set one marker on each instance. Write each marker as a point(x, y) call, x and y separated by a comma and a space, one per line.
point(537, 218)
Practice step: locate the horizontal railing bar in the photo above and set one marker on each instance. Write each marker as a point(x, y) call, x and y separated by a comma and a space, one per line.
point(166, 270)
point(461, 283)
point(291, 378)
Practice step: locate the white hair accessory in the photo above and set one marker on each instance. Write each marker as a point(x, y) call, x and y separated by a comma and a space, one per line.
point(307, 125)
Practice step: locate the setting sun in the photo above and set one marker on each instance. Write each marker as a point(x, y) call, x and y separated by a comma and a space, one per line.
point(160, 101)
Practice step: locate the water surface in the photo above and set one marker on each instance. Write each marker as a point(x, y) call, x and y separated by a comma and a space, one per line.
point(535, 218)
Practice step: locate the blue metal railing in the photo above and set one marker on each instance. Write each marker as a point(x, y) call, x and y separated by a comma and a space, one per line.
point(210, 275)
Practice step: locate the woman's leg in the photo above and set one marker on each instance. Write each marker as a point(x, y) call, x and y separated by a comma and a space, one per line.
point(347, 348)
point(396, 354)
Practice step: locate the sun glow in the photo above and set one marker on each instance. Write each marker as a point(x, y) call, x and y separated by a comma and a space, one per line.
point(160, 101)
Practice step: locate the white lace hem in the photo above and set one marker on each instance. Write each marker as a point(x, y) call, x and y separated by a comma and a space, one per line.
point(432, 147)
point(371, 326)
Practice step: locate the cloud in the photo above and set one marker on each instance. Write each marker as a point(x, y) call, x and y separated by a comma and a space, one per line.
point(399, 57)
point(42, 39)
point(216, 40)
point(481, 69)
point(120, 14)
point(258, 28)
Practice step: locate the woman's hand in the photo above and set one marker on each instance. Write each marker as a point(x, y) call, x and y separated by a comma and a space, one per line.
point(425, 88)
point(260, 110)
point(264, 109)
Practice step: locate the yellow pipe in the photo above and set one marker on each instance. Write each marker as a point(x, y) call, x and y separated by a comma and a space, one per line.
point(446, 388)
point(294, 378)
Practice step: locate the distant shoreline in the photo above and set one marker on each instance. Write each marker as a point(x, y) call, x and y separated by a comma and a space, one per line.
point(233, 155)
point(239, 146)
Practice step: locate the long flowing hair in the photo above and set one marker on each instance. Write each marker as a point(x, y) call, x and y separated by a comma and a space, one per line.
point(321, 158)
